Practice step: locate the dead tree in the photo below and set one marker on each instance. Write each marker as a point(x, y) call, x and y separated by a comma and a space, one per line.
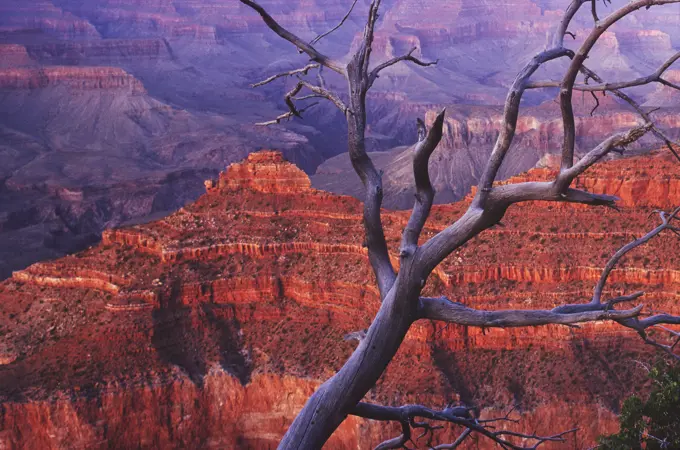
point(401, 301)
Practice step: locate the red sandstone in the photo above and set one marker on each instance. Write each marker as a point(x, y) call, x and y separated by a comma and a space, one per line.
point(234, 308)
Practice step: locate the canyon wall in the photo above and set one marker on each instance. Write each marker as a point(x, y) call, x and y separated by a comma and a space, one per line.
point(161, 90)
point(80, 78)
point(211, 327)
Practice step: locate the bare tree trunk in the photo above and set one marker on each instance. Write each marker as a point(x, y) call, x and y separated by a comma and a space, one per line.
point(329, 405)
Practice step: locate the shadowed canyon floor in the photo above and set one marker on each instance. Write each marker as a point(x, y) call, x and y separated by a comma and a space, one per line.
point(209, 328)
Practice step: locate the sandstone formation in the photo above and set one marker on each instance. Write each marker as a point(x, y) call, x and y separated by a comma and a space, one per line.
point(13, 55)
point(161, 90)
point(80, 78)
point(210, 328)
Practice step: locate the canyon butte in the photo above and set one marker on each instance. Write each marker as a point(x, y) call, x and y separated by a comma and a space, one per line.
point(211, 327)
point(114, 112)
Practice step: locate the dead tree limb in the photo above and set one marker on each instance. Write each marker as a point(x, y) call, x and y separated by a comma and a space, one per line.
point(567, 85)
point(375, 73)
point(290, 99)
point(427, 143)
point(666, 223)
point(464, 435)
point(655, 77)
point(290, 73)
point(286, 116)
point(342, 22)
point(313, 53)
point(452, 312)
point(458, 416)
point(638, 108)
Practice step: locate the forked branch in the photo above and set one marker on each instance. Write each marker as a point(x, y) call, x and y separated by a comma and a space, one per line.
point(655, 77)
point(290, 99)
point(407, 414)
point(638, 108)
point(290, 73)
point(342, 22)
point(375, 73)
point(313, 53)
point(452, 312)
point(427, 143)
point(567, 84)
point(617, 141)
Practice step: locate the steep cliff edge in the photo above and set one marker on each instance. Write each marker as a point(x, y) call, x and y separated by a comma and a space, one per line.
point(210, 328)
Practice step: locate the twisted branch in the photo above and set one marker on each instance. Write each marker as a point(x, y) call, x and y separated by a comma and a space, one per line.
point(458, 416)
point(303, 70)
point(342, 22)
point(374, 75)
point(567, 85)
point(427, 143)
point(313, 53)
point(655, 77)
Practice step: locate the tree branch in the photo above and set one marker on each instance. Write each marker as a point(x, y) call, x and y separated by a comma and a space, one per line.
point(619, 140)
point(510, 115)
point(293, 112)
point(374, 75)
point(295, 40)
point(318, 90)
point(290, 99)
point(459, 416)
point(426, 145)
point(593, 9)
point(357, 76)
point(452, 312)
point(665, 224)
point(342, 22)
point(652, 78)
point(636, 106)
point(286, 116)
point(475, 220)
point(509, 194)
point(572, 9)
point(303, 71)
point(567, 85)
point(399, 441)
point(669, 84)
point(456, 443)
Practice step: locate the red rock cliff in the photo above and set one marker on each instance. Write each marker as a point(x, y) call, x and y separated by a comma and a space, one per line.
point(211, 327)
point(74, 77)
